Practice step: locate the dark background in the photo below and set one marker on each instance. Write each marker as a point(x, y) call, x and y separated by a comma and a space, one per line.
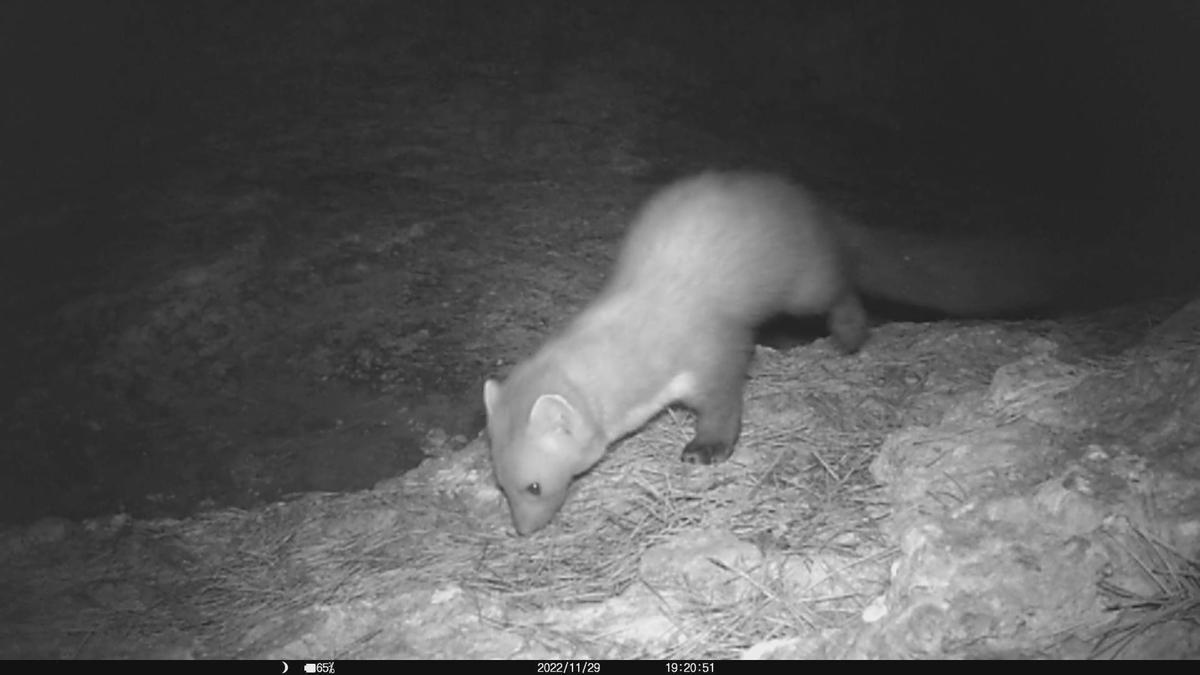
point(1075, 97)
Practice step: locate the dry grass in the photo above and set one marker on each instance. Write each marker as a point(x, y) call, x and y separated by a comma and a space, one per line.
point(1172, 594)
point(798, 487)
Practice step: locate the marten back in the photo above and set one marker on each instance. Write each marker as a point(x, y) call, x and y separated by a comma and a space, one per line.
point(735, 247)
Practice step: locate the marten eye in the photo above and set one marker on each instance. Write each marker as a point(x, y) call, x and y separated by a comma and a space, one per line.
point(534, 489)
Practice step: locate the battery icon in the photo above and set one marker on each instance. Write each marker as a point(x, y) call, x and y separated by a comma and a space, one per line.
point(310, 667)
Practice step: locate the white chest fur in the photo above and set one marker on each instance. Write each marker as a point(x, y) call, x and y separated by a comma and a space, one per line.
point(681, 386)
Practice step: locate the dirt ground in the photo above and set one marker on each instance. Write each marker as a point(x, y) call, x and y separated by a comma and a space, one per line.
point(290, 293)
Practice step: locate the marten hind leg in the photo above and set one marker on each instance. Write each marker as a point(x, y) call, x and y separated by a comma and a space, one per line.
point(848, 323)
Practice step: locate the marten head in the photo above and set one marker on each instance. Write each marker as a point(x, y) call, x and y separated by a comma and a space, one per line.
point(539, 443)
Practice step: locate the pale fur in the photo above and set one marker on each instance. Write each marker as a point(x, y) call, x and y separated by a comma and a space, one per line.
point(705, 261)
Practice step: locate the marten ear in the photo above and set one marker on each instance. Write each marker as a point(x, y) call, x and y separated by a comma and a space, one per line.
point(491, 393)
point(552, 413)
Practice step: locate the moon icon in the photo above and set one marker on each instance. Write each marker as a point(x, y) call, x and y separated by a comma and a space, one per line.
point(285, 666)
